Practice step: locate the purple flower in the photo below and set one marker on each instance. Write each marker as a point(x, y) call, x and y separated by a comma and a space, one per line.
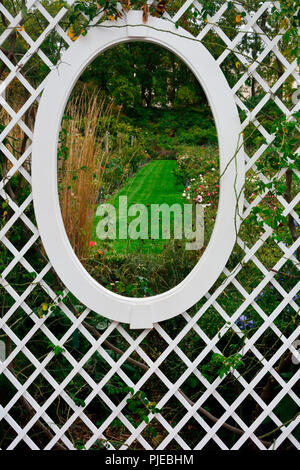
point(243, 324)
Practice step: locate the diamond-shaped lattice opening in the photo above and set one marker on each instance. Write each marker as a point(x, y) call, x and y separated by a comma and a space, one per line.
point(253, 138)
point(270, 68)
point(21, 412)
point(98, 411)
point(230, 432)
point(42, 387)
point(117, 433)
point(173, 367)
point(77, 344)
point(268, 299)
point(192, 21)
point(20, 323)
point(155, 389)
point(16, 95)
point(41, 434)
point(19, 188)
point(37, 299)
point(79, 433)
point(173, 410)
point(250, 276)
point(287, 320)
point(211, 410)
point(208, 370)
point(59, 323)
point(29, 70)
point(192, 432)
point(286, 410)
point(191, 345)
point(38, 24)
point(269, 113)
point(18, 234)
point(234, 69)
point(230, 299)
point(229, 389)
point(215, 45)
point(288, 445)
point(230, 342)
point(53, 46)
point(248, 410)
point(118, 340)
point(154, 433)
point(268, 343)
point(269, 253)
point(154, 344)
point(249, 322)
point(285, 92)
point(59, 368)
point(268, 388)
point(133, 367)
point(78, 389)
point(251, 93)
point(174, 326)
point(210, 323)
point(7, 434)
point(21, 367)
point(193, 387)
point(173, 445)
point(268, 431)
point(97, 367)
point(7, 391)
point(6, 299)
point(40, 345)
point(59, 411)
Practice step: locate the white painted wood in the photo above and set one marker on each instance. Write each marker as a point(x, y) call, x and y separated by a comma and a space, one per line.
point(140, 313)
point(249, 387)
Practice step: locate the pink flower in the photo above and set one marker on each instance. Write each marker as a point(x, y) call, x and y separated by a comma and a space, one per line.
point(92, 243)
point(208, 194)
point(198, 198)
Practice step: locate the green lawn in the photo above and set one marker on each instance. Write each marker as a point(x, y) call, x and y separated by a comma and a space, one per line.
point(153, 184)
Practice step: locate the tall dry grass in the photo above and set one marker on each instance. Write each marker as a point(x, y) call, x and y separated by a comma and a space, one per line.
point(82, 159)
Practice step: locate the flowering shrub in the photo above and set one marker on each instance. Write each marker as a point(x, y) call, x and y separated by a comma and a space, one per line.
point(243, 323)
point(197, 168)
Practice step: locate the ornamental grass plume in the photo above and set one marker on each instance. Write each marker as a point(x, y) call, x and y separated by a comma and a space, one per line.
point(82, 160)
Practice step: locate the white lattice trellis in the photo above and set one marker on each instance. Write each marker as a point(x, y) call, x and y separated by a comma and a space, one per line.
point(209, 423)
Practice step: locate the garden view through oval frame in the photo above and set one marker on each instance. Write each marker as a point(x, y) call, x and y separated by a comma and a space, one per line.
point(138, 312)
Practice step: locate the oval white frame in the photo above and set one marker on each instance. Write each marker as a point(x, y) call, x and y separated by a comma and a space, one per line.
point(138, 312)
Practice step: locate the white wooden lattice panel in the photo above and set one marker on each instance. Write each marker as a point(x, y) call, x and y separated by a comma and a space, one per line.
point(227, 410)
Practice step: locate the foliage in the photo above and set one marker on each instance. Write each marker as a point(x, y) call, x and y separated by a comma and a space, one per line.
point(166, 123)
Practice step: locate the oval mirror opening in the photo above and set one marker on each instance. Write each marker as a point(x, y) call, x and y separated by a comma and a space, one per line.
point(138, 170)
